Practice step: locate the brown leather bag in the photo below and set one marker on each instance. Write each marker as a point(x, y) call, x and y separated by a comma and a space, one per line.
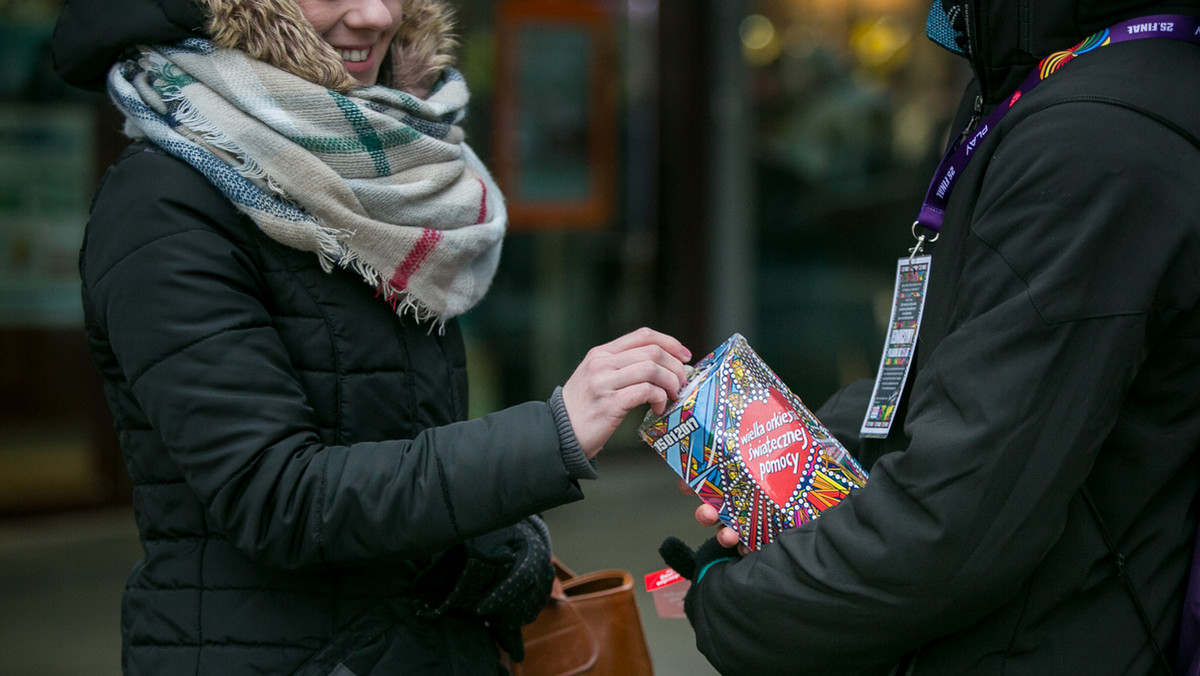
point(591, 626)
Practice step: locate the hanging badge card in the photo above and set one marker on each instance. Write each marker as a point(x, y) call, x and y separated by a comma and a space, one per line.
point(749, 447)
point(908, 305)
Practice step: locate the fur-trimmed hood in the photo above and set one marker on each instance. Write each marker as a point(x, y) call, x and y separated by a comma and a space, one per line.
point(92, 34)
point(276, 31)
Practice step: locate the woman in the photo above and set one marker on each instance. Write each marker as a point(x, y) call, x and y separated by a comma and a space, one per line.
point(309, 497)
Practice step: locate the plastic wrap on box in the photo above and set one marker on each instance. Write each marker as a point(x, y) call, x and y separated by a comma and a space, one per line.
point(750, 448)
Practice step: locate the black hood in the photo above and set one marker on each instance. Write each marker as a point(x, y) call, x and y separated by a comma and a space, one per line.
point(90, 34)
point(1007, 37)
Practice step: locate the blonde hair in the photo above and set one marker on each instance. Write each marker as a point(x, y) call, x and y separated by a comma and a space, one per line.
point(277, 32)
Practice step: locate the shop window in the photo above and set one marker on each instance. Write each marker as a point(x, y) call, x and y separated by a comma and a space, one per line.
point(57, 446)
point(850, 105)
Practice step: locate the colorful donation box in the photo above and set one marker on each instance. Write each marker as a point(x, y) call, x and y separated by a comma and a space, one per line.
point(749, 447)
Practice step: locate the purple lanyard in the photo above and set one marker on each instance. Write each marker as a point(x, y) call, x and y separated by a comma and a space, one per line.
point(933, 210)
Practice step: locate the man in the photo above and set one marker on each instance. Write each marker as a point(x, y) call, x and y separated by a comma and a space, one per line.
point(1059, 351)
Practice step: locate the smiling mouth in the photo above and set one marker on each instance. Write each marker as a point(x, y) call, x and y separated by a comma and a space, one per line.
point(355, 55)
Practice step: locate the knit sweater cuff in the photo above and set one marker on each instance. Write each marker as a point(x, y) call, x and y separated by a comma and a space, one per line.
point(576, 461)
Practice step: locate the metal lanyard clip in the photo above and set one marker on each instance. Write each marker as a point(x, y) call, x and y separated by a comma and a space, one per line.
point(919, 247)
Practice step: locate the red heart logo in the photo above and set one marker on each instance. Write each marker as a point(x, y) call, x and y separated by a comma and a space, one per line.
point(775, 446)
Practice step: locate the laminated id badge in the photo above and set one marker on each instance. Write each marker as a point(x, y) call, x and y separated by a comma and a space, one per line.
point(908, 305)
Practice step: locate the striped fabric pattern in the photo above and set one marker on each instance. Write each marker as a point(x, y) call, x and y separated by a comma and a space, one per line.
point(377, 181)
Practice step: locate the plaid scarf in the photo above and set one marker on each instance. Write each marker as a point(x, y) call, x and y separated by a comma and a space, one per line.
point(376, 181)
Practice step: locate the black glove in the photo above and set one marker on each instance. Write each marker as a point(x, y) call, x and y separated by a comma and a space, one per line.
point(454, 581)
point(503, 577)
point(517, 599)
point(691, 564)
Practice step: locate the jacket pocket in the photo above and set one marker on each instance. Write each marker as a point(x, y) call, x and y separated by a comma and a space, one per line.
point(357, 648)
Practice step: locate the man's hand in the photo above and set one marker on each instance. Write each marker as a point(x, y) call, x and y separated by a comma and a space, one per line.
point(706, 515)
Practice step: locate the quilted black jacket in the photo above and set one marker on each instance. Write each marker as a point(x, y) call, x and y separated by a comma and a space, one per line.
point(293, 444)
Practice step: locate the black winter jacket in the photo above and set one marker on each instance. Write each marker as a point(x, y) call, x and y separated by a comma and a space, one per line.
point(1060, 349)
point(292, 444)
point(298, 451)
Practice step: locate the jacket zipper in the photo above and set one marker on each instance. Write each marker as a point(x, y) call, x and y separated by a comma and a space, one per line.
point(975, 46)
point(974, 121)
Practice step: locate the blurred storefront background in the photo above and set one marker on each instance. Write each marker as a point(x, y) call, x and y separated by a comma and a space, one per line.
point(699, 166)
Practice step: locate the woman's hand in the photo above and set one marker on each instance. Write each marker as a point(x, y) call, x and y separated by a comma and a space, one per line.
point(642, 367)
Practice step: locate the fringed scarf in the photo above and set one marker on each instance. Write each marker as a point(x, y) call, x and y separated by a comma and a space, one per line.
point(375, 180)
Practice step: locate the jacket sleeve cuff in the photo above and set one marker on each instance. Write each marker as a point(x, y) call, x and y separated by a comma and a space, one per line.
point(576, 462)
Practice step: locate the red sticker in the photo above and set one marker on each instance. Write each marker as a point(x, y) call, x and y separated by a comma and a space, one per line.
point(775, 447)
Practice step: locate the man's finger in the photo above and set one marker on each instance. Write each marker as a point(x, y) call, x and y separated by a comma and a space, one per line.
point(727, 537)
